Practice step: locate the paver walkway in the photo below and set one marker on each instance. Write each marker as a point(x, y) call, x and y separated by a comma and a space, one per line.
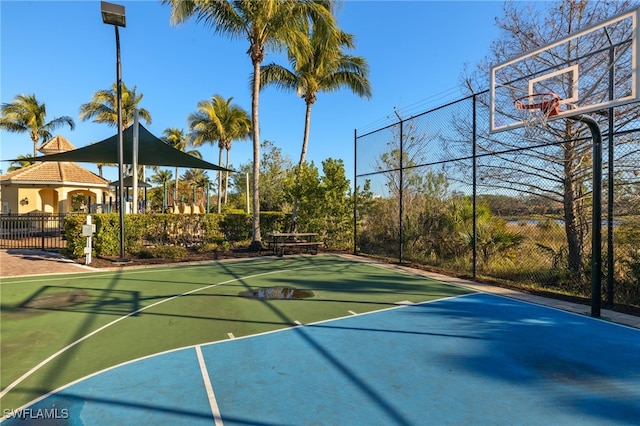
point(16, 263)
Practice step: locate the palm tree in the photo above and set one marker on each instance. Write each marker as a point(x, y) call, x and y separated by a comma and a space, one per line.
point(203, 182)
point(219, 120)
point(319, 66)
point(196, 177)
point(103, 109)
point(262, 23)
point(179, 140)
point(162, 178)
point(22, 161)
point(192, 175)
point(26, 115)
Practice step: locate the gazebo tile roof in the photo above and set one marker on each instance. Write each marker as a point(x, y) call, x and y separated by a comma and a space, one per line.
point(56, 144)
point(54, 172)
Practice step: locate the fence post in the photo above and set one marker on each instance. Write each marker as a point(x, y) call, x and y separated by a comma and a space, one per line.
point(401, 193)
point(474, 248)
point(610, 170)
point(355, 191)
point(42, 230)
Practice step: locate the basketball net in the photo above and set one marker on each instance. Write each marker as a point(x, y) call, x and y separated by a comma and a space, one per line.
point(534, 111)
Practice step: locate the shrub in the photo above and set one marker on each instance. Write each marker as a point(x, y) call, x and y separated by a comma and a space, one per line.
point(212, 247)
point(73, 235)
point(161, 252)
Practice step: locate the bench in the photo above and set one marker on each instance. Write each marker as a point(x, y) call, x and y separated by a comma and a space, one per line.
point(280, 241)
point(312, 246)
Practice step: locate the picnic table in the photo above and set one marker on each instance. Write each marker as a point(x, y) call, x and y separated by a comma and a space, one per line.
point(279, 241)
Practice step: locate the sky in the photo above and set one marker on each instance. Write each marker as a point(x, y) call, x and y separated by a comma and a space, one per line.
point(63, 53)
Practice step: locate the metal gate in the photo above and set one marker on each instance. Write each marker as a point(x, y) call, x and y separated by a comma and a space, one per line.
point(32, 231)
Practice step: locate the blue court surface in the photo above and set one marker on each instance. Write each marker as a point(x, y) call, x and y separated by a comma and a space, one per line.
point(473, 359)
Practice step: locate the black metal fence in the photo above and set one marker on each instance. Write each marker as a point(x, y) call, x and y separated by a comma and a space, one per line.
point(440, 190)
point(43, 231)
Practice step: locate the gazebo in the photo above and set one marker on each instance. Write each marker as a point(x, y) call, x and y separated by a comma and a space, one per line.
point(47, 187)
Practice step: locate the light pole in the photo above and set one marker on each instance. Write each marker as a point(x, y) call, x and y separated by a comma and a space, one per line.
point(113, 14)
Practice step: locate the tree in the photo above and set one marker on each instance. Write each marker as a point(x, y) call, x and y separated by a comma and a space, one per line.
point(319, 65)
point(162, 178)
point(338, 214)
point(198, 178)
point(26, 115)
point(22, 161)
point(559, 168)
point(203, 182)
point(219, 120)
point(103, 108)
point(276, 170)
point(192, 175)
point(323, 67)
point(179, 140)
point(263, 23)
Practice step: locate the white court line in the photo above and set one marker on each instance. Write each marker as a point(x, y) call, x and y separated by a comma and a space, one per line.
point(85, 337)
point(297, 322)
point(110, 273)
point(352, 313)
point(215, 410)
point(231, 336)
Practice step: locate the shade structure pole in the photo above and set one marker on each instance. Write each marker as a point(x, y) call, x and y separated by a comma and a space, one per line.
point(134, 166)
point(207, 195)
point(164, 197)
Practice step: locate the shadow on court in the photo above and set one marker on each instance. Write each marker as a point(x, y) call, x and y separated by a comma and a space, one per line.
point(470, 359)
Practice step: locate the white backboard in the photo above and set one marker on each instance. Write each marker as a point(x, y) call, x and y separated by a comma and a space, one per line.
point(592, 69)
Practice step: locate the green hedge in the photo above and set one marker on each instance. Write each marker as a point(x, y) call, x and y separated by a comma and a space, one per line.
point(189, 231)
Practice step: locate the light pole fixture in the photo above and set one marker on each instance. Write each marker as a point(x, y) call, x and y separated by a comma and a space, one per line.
point(113, 14)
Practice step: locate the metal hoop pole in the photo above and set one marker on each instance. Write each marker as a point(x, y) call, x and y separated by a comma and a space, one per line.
point(596, 215)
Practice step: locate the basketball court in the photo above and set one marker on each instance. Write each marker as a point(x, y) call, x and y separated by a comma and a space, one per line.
point(375, 345)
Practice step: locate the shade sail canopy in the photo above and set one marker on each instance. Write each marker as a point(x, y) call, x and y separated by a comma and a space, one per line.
point(128, 183)
point(152, 151)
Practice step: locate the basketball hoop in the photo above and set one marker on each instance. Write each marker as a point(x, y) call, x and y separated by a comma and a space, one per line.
point(535, 109)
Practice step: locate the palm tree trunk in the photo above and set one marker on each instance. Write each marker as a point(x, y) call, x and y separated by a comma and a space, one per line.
point(303, 157)
point(34, 138)
point(305, 140)
point(255, 94)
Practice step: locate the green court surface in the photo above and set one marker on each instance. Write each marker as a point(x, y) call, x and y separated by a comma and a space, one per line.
point(58, 329)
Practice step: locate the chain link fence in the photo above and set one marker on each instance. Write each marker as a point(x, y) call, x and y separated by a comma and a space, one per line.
point(439, 189)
